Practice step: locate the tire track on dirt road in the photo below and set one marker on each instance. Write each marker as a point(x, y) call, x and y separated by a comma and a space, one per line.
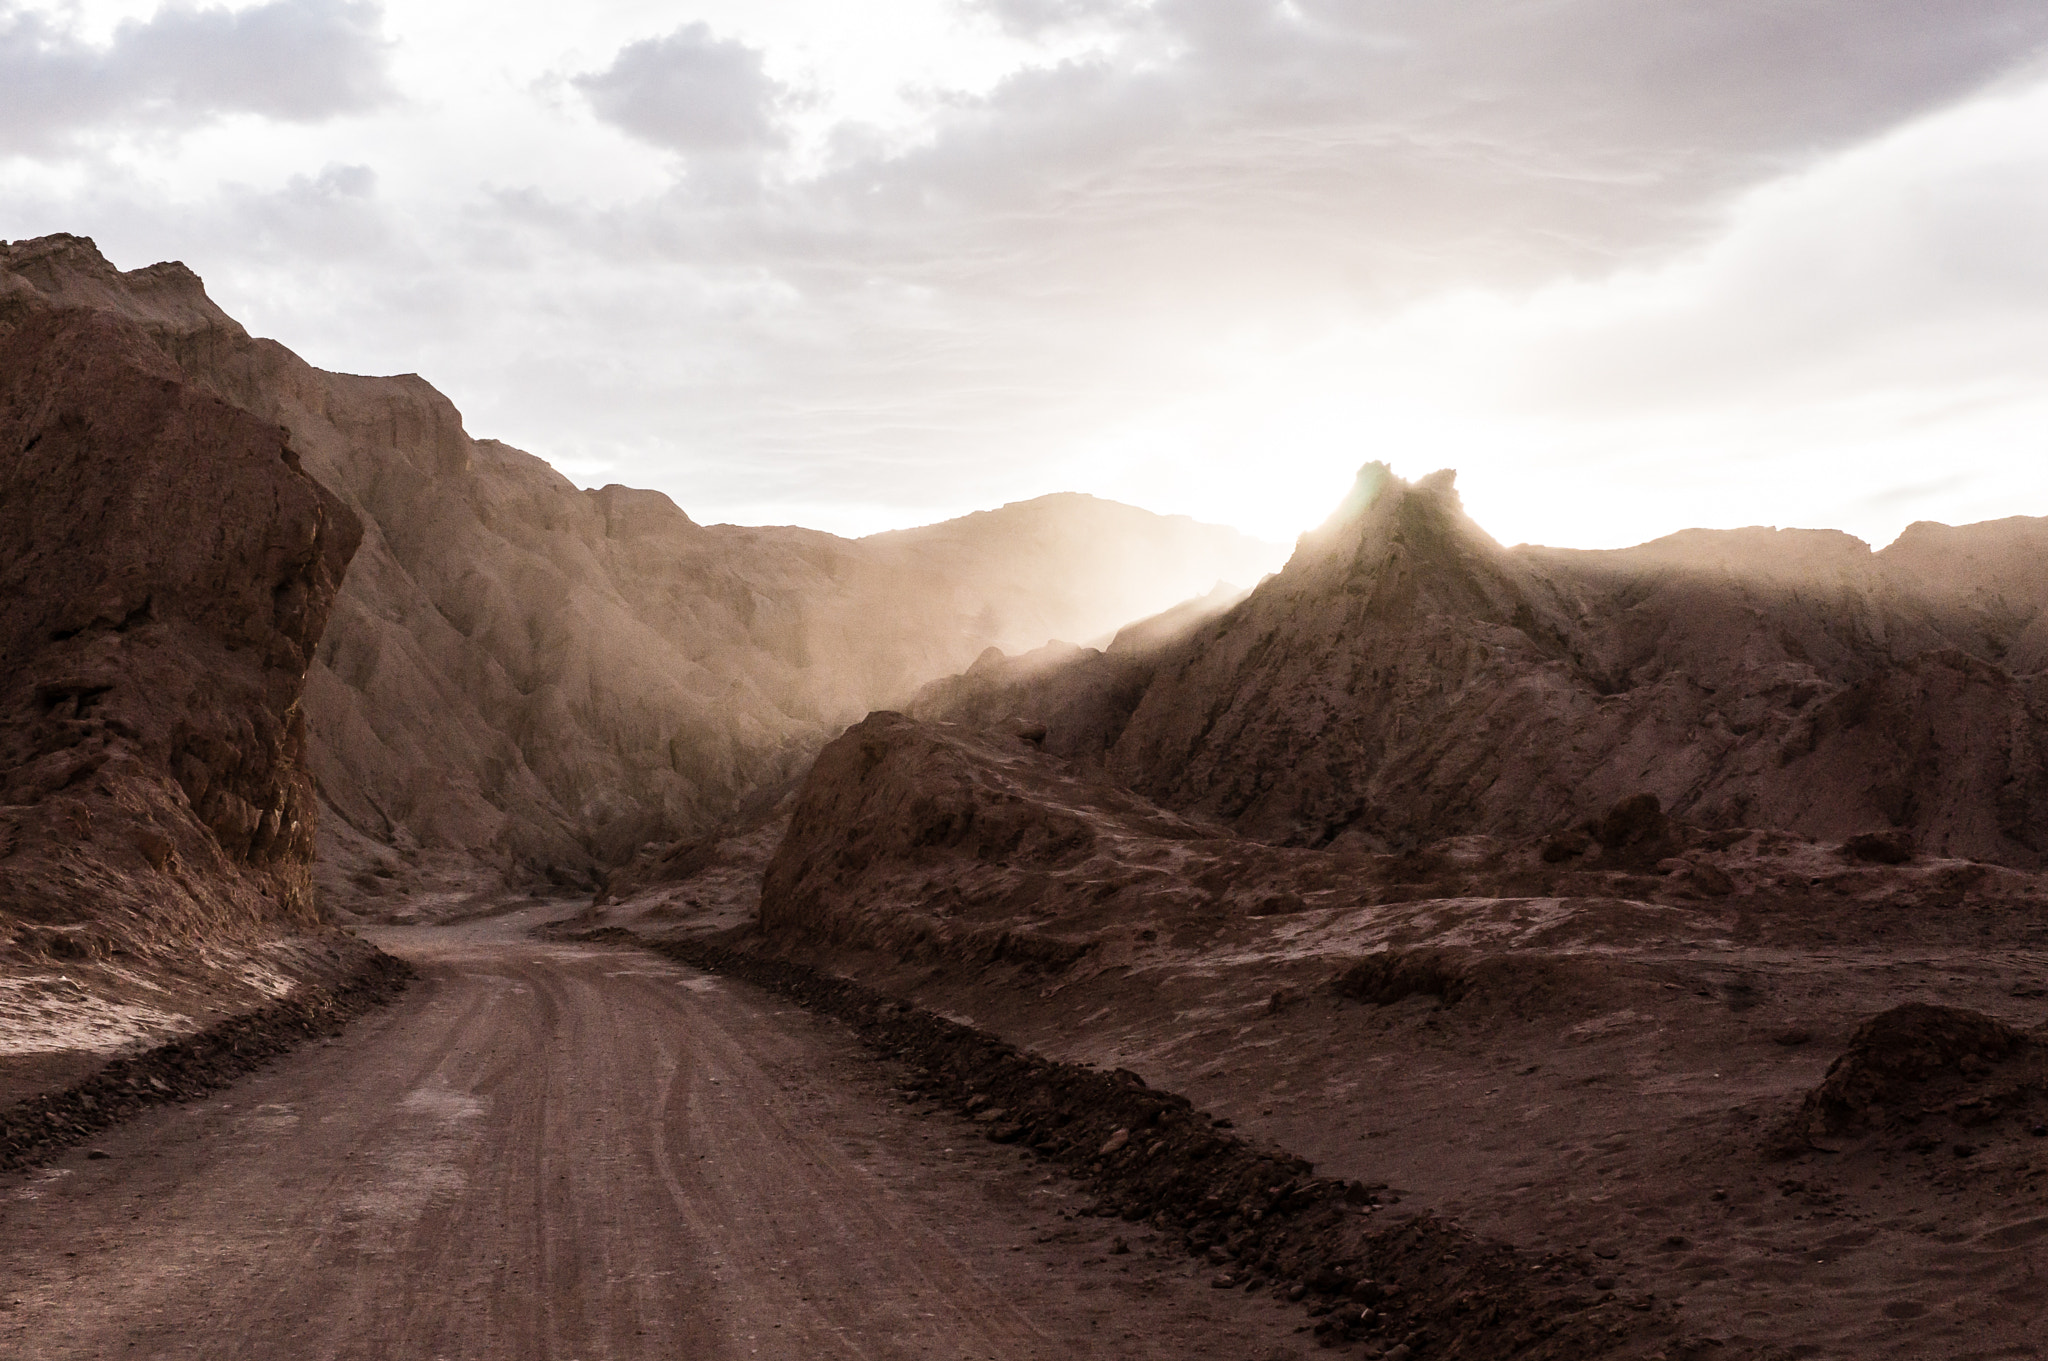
point(560, 1151)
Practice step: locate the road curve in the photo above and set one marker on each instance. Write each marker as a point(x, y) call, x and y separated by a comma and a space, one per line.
point(575, 1153)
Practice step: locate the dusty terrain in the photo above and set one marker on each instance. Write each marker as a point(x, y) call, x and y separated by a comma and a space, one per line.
point(549, 1150)
point(1619, 1040)
point(535, 680)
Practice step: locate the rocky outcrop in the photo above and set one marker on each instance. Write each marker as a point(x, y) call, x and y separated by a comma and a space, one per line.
point(166, 569)
point(1920, 1059)
point(934, 841)
point(1406, 679)
point(931, 841)
point(539, 680)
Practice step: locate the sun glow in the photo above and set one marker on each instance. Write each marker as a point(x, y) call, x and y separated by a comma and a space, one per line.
point(1812, 365)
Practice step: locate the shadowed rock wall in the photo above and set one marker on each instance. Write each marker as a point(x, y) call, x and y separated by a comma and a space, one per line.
point(166, 569)
point(535, 680)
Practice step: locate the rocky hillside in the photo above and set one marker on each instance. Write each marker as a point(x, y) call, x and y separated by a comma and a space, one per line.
point(166, 569)
point(535, 679)
point(1685, 1054)
point(1406, 679)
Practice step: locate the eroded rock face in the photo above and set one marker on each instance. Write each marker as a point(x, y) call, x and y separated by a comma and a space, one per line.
point(1405, 679)
point(539, 680)
point(936, 841)
point(928, 840)
point(166, 569)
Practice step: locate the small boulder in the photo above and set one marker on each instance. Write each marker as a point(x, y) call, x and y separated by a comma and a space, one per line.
point(1559, 847)
point(1891, 847)
point(1636, 831)
point(1710, 879)
point(1893, 1053)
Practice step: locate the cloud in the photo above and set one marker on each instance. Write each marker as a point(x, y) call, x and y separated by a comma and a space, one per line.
point(1079, 241)
point(297, 61)
point(1038, 18)
point(691, 92)
point(1382, 148)
point(1102, 216)
point(1858, 348)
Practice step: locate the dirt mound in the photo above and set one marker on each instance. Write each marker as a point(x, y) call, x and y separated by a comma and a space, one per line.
point(1406, 679)
point(1895, 1059)
point(166, 569)
point(930, 840)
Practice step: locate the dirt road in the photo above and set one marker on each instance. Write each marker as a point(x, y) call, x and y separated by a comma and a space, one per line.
point(555, 1151)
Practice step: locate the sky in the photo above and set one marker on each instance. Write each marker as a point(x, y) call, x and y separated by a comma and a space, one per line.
point(1630, 266)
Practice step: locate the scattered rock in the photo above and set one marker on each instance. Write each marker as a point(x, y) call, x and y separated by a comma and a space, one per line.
point(1561, 846)
point(1892, 1055)
point(1389, 976)
point(1710, 879)
point(1891, 847)
point(1636, 831)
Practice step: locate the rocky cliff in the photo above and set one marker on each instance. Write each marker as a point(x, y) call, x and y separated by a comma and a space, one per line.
point(535, 680)
point(166, 569)
point(1405, 679)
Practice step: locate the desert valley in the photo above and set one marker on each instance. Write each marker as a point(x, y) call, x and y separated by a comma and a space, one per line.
point(448, 912)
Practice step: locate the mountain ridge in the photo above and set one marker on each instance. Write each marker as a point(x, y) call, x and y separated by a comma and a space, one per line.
point(524, 680)
point(1405, 678)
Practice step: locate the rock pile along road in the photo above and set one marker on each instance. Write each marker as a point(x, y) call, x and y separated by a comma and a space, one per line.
point(560, 1151)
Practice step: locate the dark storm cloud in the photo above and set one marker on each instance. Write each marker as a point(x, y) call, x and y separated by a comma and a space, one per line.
point(691, 92)
point(292, 60)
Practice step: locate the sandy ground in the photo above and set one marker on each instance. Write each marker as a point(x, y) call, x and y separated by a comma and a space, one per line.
point(558, 1151)
point(1624, 1106)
